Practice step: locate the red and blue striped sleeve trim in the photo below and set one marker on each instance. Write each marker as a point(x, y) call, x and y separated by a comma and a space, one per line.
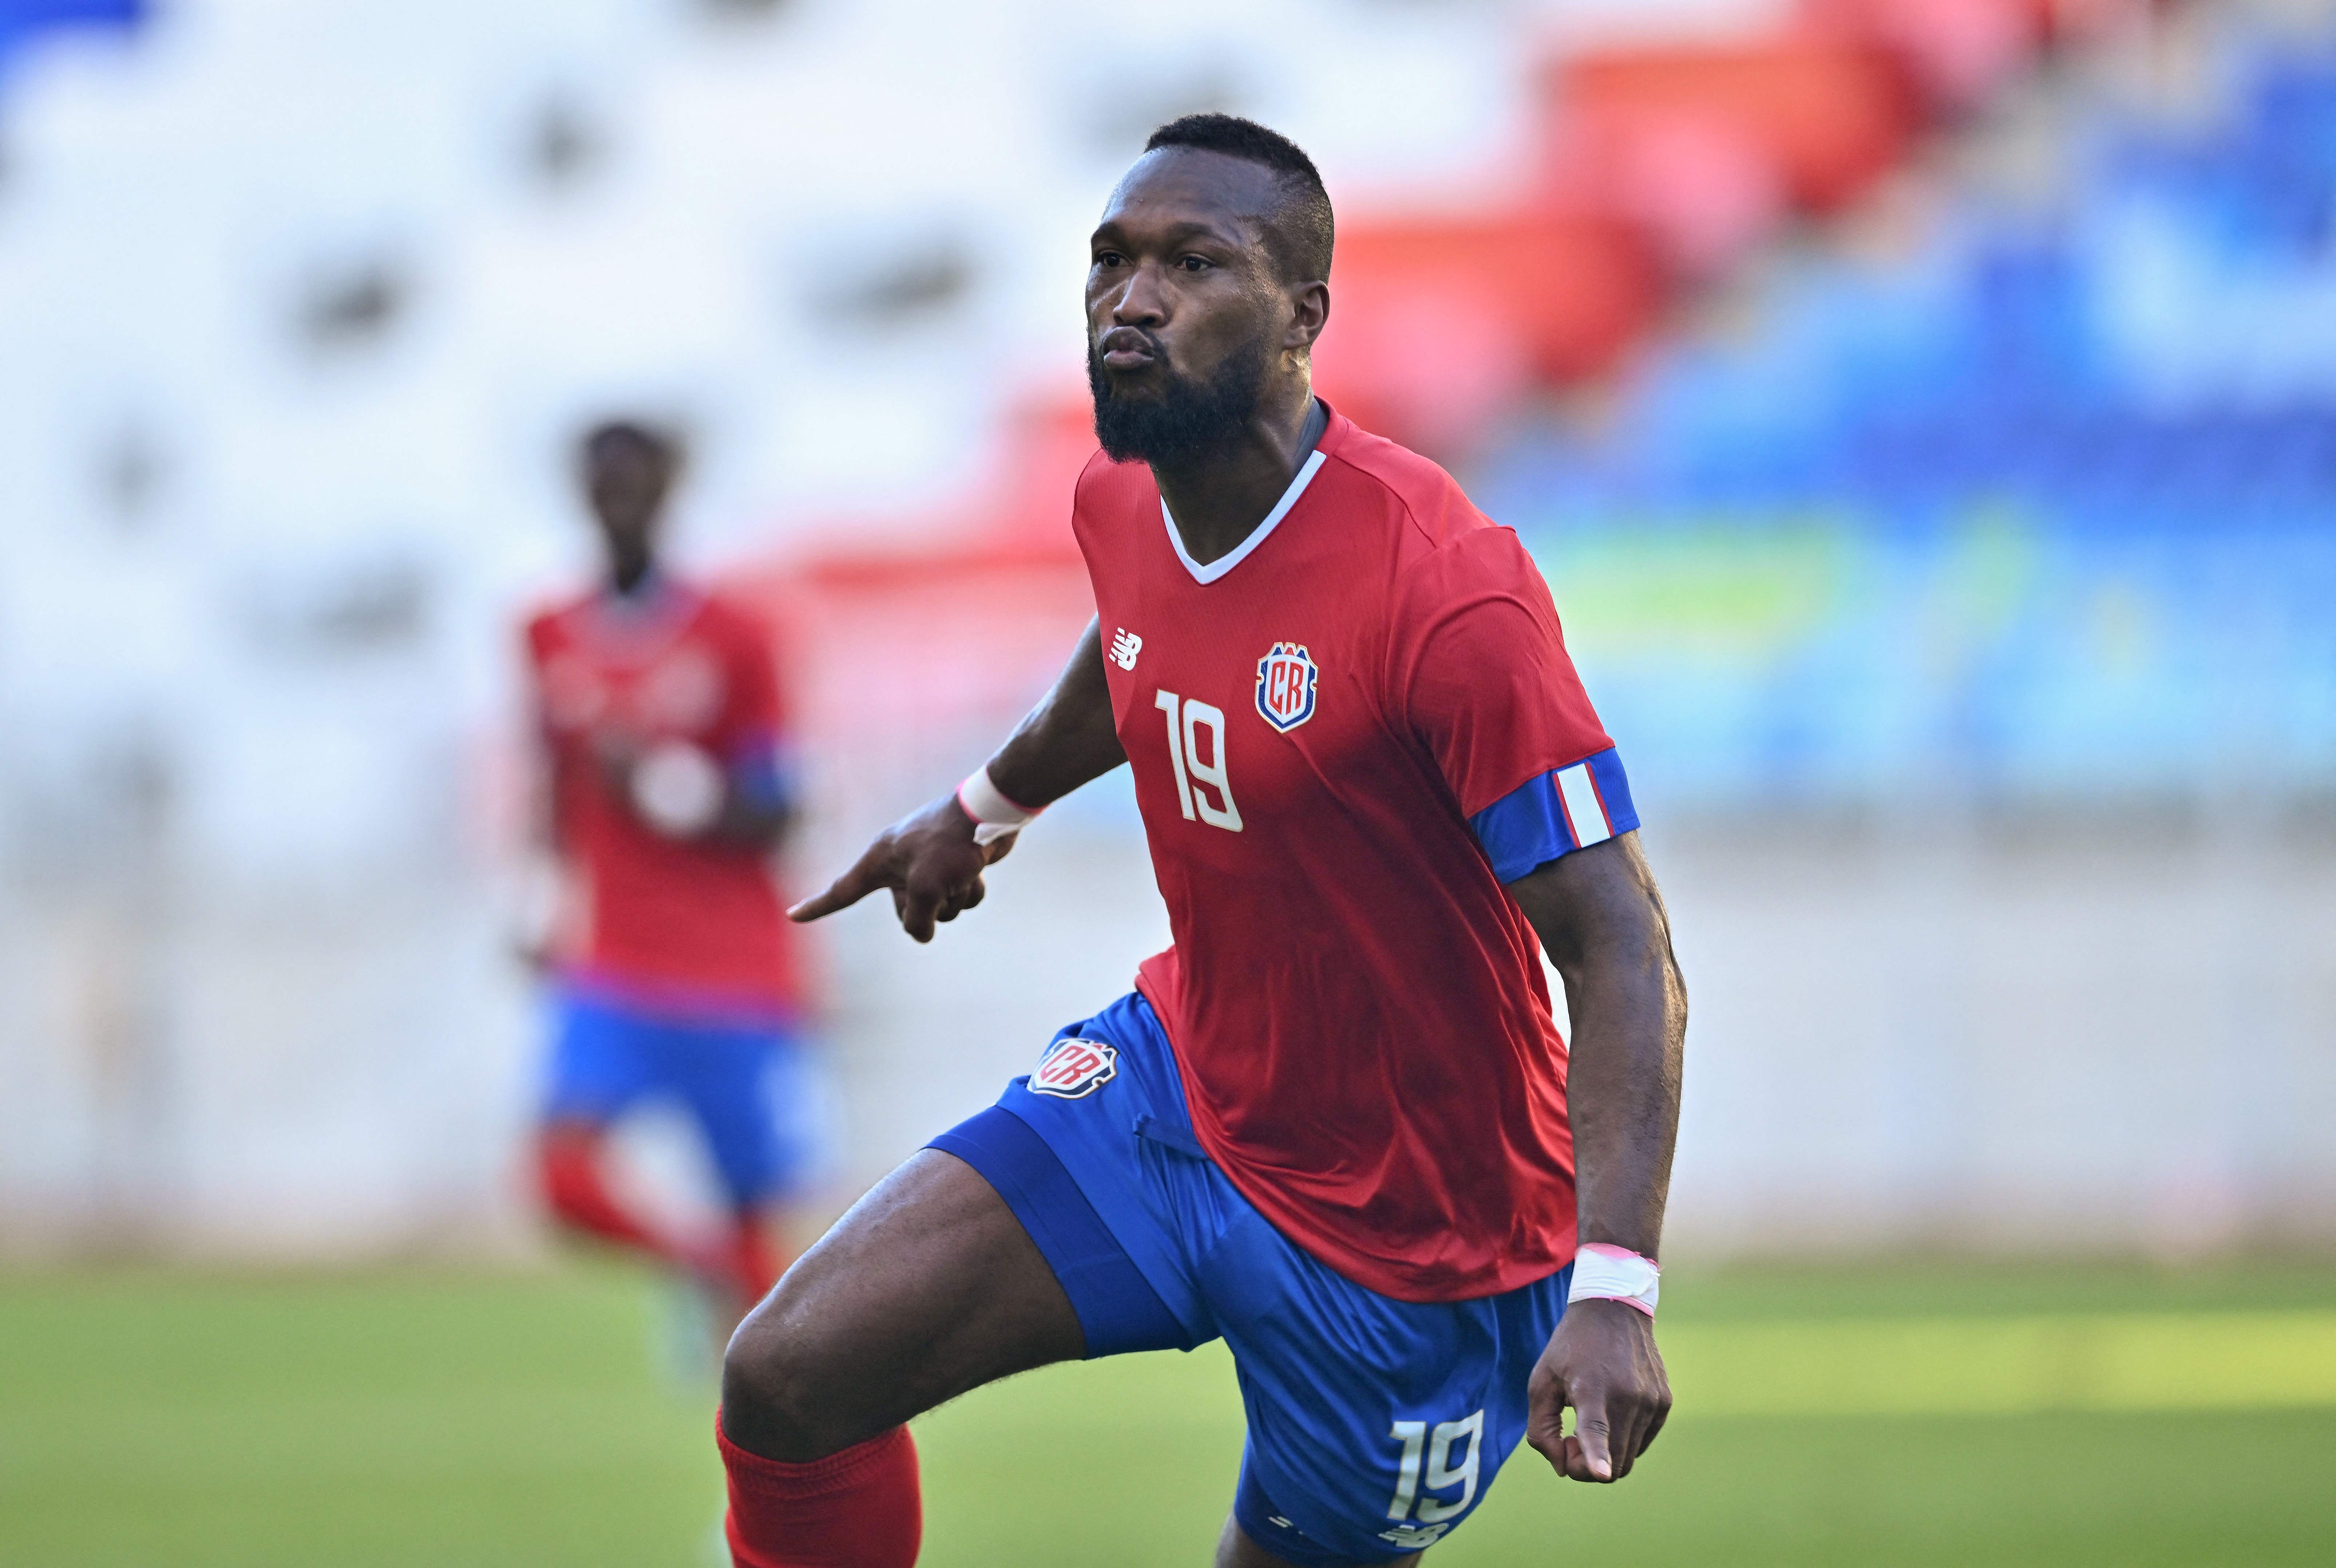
point(1555, 813)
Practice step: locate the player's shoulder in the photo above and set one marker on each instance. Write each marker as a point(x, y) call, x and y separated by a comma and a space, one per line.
point(1105, 484)
point(730, 624)
point(1442, 542)
point(549, 620)
point(725, 612)
point(1431, 511)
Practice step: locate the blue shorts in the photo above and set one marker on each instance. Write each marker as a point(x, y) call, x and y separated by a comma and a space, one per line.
point(744, 1087)
point(1375, 1426)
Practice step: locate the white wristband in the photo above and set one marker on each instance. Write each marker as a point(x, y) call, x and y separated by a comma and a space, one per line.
point(994, 816)
point(1603, 1273)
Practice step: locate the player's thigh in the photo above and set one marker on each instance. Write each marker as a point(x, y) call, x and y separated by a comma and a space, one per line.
point(928, 1286)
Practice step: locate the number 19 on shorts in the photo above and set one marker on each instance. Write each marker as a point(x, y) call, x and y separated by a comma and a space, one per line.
point(1196, 749)
point(1443, 1468)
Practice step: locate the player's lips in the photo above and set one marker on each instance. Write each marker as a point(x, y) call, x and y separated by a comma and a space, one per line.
point(1126, 348)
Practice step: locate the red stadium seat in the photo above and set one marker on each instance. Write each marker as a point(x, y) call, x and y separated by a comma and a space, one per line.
point(1959, 51)
point(1438, 324)
point(1028, 504)
point(1703, 191)
point(1829, 115)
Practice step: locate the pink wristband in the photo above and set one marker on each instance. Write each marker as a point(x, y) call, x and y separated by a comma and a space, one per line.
point(1605, 1272)
point(994, 815)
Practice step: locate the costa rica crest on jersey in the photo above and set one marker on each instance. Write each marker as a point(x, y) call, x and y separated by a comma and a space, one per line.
point(1285, 678)
point(1073, 1068)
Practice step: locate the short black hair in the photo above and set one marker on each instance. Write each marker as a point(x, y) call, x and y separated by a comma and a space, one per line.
point(1303, 232)
point(661, 444)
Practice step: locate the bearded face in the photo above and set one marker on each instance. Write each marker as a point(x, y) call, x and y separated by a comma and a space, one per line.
point(1178, 418)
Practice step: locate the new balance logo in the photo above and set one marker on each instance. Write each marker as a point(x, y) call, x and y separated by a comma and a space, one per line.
point(1125, 647)
point(1415, 1538)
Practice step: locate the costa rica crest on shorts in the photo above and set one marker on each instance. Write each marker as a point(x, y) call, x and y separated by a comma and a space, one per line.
point(1286, 677)
point(1073, 1068)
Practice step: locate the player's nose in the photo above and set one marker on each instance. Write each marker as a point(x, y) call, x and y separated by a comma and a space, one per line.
point(1141, 302)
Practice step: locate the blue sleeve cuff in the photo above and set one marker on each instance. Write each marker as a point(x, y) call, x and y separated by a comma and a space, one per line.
point(763, 776)
point(1555, 813)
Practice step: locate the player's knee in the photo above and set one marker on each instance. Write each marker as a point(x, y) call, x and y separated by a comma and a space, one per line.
point(780, 1397)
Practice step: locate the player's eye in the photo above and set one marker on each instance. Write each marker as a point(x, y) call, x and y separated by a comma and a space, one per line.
point(1108, 259)
point(1195, 263)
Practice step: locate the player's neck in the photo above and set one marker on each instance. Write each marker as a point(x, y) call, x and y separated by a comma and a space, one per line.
point(1218, 501)
point(633, 582)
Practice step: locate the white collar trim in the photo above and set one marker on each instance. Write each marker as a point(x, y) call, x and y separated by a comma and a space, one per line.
point(1241, 552)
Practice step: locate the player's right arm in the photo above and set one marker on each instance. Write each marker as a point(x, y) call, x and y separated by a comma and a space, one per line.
point(535, 916)
point(929, 861)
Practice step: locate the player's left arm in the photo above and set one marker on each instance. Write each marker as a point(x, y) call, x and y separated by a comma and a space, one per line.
point(750, 820)
point(1478, 667)
point(760, 786)
point(1602, 923)
point(758, 800)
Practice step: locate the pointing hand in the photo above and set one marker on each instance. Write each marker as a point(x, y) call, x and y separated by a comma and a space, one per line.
point(929, 862)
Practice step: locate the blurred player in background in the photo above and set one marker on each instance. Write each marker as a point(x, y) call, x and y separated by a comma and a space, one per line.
point(674, 972)
point(1335, 1124)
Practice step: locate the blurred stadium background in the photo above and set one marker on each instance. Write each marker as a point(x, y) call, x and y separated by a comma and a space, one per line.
point(1924, 410)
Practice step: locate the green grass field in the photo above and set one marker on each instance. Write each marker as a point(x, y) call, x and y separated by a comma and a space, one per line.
point(1901, 1416)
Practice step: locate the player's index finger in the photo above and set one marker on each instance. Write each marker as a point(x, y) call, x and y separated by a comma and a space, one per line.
point(841, 893)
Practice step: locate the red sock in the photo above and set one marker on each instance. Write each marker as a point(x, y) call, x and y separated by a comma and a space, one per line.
point(861, 1508)
point(570, 1167)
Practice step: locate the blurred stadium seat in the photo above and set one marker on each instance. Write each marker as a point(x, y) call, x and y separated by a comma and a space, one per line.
point(1448, 323)
point(1829, 115)
point(2102, 395)
point(1956, 51)
point(22, 21)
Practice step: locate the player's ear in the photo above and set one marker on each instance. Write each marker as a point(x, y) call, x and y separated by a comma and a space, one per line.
point(1309, 313)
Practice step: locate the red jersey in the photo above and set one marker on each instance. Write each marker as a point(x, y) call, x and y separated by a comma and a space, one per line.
point(684, 928)
point(1357, 1004)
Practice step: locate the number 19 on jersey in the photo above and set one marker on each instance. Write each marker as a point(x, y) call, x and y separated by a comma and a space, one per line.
point(1199, 770)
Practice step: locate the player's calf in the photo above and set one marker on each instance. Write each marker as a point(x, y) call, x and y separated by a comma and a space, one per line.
point(569, 1157)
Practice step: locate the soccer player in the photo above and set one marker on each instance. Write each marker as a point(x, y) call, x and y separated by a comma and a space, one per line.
point(1335, 1124)
point(674, 969)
